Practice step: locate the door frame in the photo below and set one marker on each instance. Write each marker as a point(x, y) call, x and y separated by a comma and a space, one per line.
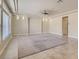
point(67, 25)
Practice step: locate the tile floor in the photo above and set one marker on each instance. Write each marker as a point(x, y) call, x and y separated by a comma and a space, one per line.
point(67, 51)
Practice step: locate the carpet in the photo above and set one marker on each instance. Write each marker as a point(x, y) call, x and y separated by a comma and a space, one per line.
point(28, 45)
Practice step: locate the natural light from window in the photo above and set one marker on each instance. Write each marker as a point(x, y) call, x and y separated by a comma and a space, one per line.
point(5, 26)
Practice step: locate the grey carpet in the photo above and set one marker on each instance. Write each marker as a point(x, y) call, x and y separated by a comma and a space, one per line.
point(36, 43)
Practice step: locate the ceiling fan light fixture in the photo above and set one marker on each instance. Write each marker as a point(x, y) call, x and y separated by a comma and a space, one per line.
point(60, 1)
point(45, 16)
point(17, 17)
point(45, 12)
point(23, 18)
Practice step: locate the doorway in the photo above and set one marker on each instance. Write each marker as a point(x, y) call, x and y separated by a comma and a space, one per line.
point(65, 26)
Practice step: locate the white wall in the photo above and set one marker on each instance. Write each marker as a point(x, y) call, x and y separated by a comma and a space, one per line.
point(20, 26)
point(73, 25)
point(56, 24)
point(35, 26)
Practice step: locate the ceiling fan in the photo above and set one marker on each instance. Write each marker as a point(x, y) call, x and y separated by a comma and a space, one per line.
point(59, 1)
point(45, 12)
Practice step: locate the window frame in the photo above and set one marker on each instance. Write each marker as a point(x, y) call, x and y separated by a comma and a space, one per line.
point(2, 40)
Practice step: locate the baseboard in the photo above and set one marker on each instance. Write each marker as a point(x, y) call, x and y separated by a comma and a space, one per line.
point(56, 34)
point(34, 33)
point(68, 35)
point(72, 36)
point(25, 34)
point(49, 32)
point(19, 34)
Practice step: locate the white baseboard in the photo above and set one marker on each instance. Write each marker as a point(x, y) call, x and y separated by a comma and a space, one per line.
point(49, 32)
point(56, 33)
point(73, 36)
point(25, 34)
point(68, 35)
point(19, 34)
point(34, 33)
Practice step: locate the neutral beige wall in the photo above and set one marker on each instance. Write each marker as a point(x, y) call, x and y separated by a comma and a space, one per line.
point(73, 25)
point(45, 26)
point(35, 26)
point(20, 26)
point(56, 24)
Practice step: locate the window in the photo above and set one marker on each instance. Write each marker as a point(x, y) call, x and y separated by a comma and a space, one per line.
point(5, 25)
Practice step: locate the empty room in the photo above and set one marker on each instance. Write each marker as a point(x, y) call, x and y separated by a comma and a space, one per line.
point(38, 29)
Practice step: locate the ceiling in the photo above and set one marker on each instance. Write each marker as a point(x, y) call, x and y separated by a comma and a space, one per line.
point(12, 5)
point(33, 8)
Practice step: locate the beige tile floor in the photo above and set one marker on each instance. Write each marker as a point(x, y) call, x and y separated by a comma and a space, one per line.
point(11, 51)
point(67, 51)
